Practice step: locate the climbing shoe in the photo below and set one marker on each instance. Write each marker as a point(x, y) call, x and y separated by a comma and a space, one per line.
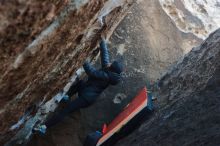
point(41, 129)
point(58, 97)
point(61, 97)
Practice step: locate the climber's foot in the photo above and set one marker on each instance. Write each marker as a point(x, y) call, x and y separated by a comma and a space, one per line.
point(41, 129)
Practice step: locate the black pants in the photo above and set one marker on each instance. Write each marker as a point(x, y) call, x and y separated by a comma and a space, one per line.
point(71, 107)
point(74, 105)
point(75, 87)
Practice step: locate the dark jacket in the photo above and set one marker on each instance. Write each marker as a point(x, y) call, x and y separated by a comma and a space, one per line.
point(98, 80)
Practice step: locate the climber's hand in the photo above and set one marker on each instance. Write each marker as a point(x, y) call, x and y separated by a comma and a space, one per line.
point(103, 37)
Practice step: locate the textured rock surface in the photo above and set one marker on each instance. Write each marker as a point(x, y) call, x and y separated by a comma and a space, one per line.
point(39, 62)
point(189, 102)
point(147, 49)
point(42, 42)
point(200, 17)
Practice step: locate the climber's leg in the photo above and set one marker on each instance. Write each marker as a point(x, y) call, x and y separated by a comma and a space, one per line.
point(71, 107)
point(74, 87)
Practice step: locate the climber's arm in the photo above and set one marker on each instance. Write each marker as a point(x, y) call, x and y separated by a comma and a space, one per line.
point(91, 71)
point(104, 54)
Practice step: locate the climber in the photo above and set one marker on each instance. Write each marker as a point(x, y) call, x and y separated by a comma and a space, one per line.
point(89, 90)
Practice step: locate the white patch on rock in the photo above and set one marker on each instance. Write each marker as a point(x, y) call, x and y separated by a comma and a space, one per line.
point(200, 17)
point(79, 3)
point(2, 110)
point(108, 7)
point(32, 48)
point(121, 49)
point(119, 98)
point(18, 61)
point(21, 94)
point(50, 105)
point(139, 1)
point(91, 31)
point(20, 122)
point(139, 70)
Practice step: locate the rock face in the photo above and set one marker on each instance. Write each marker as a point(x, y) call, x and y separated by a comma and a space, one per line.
point(148, 43)
point(42, 45)
point(200, 17)
point(188, 112)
